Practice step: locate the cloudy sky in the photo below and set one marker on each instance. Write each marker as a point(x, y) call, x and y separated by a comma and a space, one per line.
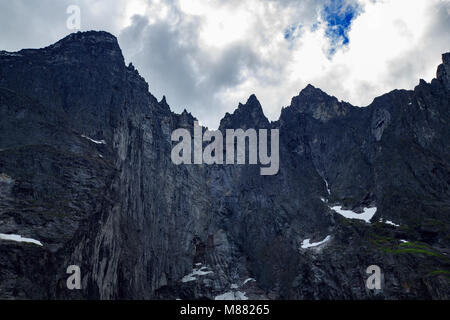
point(208, 55)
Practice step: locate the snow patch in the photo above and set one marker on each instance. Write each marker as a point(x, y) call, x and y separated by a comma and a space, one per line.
point(247, 280)
point(240, 295)
point(391, 223)
point(195, 272)
point(18, 238)
point(306, 244)
point(94, 141)
point(403, 241)
point(234, 286)
point(367, 214)
point(230, 295)
point(328, 188)
point(188, 278)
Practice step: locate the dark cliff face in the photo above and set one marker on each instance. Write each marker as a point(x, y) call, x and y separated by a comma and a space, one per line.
point(85, 169)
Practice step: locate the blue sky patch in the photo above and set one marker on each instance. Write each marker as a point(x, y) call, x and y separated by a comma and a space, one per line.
point(339, 15)
point(292, 32)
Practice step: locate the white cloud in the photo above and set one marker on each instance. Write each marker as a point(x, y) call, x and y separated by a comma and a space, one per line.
point(386, 42)
point(387, 37)
point(207, 56)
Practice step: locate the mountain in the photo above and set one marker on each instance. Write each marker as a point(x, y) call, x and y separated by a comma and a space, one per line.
point(85, 171)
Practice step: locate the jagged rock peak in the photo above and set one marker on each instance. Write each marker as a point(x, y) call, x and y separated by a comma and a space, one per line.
point(164, 106)
point(252, 105)
point(318, 104)
point(310, 94)
point(248, 115)
point(186, 113)
point(184, 119)
point(99, 45)
point(163, 101)
point(253, 101)
point(88, 37)
point(443, 70)
point(311, 90)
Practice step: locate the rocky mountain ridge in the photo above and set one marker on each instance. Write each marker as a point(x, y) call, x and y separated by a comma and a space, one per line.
point(85, 169)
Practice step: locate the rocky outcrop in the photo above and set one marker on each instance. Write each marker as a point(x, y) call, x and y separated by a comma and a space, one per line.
point(443, 71)
point(85, 169)
point(317, 104)
point(249, 115)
